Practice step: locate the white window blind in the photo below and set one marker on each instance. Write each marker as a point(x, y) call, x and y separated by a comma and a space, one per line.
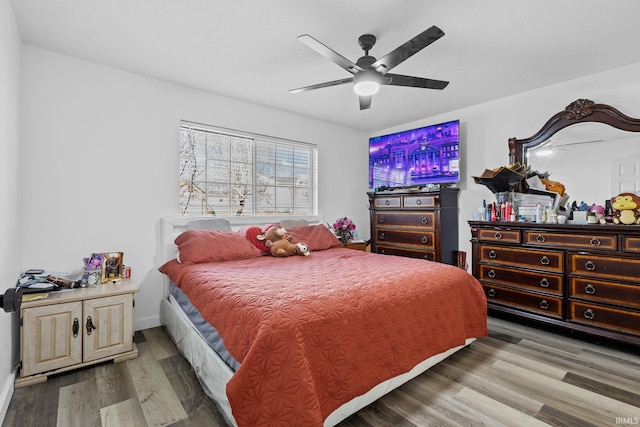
point(232, 173)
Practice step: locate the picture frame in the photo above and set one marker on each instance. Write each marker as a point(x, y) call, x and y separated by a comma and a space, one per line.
point(112, 264)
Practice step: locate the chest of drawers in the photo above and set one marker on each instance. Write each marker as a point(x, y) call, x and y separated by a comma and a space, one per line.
point(584, 278)
point(415, 224)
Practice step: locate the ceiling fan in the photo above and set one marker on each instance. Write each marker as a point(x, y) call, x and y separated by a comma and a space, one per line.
point(369, 73)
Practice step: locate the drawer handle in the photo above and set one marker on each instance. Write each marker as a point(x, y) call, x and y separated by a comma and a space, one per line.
point(90, 326)
point(491, 293)
point(595, 241)
point(381, 236)
point(589, 314)
point(544, 282)
point(381, 251)
point(492, 254)
point(590, 265)
point(426, 257)
point(387, 202)
point(491, 274)
point(590, 289)
point(544, 260)
point(544, 304)
point(418, 202)
point(424, 239)
point(498, 235)
point(76, 327)
point(381, 220)
point(540, 238)
point(425, 220)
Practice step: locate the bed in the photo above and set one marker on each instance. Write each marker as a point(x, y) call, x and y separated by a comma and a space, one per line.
point(308, 340)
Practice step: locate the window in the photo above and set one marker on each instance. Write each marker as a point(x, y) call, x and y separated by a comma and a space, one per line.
point(231, 173)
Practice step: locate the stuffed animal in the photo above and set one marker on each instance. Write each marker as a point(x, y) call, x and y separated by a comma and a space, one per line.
point(303, 249)
point(626, 207)
point(279, 244)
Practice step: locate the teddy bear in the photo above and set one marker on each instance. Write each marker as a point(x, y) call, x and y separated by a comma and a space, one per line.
point(626, 207)
point(279, 244)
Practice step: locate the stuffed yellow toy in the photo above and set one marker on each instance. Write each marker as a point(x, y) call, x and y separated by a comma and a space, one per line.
point(626, 208)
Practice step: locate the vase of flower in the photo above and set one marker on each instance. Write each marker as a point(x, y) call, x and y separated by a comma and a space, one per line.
point(343, 229)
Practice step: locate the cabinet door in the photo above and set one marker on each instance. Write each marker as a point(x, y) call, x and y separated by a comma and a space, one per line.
point(49, 339)
point(107, 326)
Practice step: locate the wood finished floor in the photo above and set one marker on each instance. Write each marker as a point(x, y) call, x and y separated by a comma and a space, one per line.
point(517, 376)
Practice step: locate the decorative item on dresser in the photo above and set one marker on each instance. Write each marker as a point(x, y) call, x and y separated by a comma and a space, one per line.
point(416, 224)
point(580, 277)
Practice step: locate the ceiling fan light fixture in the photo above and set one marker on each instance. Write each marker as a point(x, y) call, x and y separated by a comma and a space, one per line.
point(366, 83)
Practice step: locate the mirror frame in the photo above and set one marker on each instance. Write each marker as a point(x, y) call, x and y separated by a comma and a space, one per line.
point(579, 111)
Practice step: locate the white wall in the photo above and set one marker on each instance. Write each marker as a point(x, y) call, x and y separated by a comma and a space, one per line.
point(486, 128)
point(10, 190)
point(100, 162)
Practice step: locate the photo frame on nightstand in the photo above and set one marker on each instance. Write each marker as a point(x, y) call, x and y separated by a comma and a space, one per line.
point(112, 264)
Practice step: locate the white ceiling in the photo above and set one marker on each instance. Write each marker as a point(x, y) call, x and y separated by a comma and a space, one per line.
point(248, 49)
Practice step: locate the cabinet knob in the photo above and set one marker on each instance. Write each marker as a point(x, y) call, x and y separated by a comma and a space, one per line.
point(595, 241)
point(589, 314)
point(491, 274)
point(491, 293)
point(590, 265)
point(492, 254)
point(424, 220)
point(544, 260)
point(418, 202)
point(381, 219)
point(540, 238)
point(544, 304)
point(498, 235)
point(90, 326)
point(424, 239)
point(544, 282)
point(387, 202)
point(590, 289)
point(381, 236)
point(76, 327)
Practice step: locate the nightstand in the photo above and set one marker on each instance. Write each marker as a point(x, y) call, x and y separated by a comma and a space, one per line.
point(358, 245)
point(76, 328)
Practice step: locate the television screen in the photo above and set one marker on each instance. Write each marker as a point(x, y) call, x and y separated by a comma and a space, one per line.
point(416, 157)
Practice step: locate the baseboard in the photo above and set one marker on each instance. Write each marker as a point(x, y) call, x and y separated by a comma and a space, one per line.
point(5, 395)
point(147, 323)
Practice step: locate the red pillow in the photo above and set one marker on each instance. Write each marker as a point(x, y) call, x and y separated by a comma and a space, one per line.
point(317, 237)
point(214, 245)
point(252, 234)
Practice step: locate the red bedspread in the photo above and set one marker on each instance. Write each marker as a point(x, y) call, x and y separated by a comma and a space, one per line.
point(311, 333)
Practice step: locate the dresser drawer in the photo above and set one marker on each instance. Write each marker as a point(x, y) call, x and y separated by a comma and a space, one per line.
point(610, 318)
point(387, 202)
point(543, 281)
point(625, 269)
point(542, 304)
point(411, 253)
point(604, 291)
point(572, 241)
point(630, 244)
point(421, 202)
point(426, 239)
point(531, 258)
point(423, 220)
point(498, 235)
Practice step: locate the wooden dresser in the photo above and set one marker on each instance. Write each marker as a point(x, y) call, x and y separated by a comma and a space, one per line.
point(417, 224)
point(581, 277)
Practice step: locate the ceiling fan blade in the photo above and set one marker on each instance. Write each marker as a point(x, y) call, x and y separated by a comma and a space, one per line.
point(323, 85)
point(330, 54)
point(407, 50)
point(365, 102)
point(410, 81)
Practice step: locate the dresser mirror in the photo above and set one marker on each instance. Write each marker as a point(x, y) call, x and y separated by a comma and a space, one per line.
point(583, 147)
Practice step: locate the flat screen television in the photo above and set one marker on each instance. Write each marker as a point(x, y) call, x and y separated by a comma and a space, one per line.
point(416, 157)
